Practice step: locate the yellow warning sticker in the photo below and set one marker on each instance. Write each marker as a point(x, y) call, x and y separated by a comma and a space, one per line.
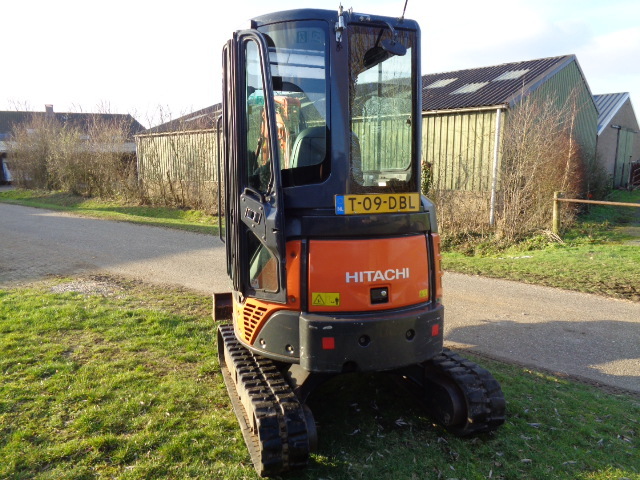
point(325, 299)
point(424, 293)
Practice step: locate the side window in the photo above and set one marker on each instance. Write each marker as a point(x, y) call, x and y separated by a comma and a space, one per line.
point(263, 266)
point(299, 69)
point(257, 141)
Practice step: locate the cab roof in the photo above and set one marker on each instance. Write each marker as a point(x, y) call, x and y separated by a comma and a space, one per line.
point(330, 16)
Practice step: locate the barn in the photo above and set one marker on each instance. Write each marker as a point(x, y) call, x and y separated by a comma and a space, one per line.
point(465, 113)
point(618, 139)
point(176, 159)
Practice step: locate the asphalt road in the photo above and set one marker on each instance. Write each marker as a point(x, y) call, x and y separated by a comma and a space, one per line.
point(579, 335)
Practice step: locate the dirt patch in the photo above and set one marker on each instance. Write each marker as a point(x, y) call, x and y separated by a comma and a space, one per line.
point(94, 285)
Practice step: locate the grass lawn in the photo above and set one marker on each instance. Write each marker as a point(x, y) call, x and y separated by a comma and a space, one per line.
point(106, 378)
point(599, 254)
point(189, 220)
point(606, 269)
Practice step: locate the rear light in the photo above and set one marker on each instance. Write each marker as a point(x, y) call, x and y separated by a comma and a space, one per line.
point(328, 343)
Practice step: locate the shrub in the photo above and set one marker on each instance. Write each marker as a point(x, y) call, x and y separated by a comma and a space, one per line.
point(79, 159)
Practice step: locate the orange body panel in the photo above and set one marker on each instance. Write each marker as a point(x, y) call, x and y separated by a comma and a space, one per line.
point(250, 316)
point(343, 272)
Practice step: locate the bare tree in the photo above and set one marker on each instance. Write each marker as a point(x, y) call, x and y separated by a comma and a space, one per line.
point(539, 156)
point(177, 166)
point(84, 159)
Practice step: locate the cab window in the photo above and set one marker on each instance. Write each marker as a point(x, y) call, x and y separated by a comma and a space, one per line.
point(381, 104)
point(297, 58)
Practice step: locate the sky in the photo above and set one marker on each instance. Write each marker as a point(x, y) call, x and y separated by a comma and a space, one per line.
point(159, 60)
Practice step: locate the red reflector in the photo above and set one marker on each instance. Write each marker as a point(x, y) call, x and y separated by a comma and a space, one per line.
point(328, 343)
point(435, 330)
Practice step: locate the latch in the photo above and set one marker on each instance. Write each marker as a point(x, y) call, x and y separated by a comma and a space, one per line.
point(255, 217)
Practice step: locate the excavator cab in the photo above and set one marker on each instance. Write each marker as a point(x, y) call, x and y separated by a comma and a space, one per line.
point(332, 252)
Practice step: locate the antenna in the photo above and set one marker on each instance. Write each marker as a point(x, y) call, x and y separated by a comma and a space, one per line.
point(404, 10)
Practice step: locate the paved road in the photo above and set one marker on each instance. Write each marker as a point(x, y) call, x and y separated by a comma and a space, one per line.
point(36, 242)
point(581, 335)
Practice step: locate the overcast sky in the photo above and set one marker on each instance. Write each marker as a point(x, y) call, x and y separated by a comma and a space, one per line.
point(141, 56)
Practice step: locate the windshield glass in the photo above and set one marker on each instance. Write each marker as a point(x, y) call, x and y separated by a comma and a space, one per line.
point(297, 56)
point(380, 99)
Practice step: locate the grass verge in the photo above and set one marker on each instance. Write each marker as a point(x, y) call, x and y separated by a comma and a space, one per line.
point(605, 269)
point(108, 378)
point(599, 254)
point(188, 220)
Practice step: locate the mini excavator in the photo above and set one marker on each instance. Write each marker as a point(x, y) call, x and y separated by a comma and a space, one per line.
point(332, 251)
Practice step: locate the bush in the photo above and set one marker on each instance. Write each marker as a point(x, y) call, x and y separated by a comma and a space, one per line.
point(34, 147)
point(539, 156)
point(83, 160)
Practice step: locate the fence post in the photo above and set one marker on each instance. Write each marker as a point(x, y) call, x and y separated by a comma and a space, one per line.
point(556, 213)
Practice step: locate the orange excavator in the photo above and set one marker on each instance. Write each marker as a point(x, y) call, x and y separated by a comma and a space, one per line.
point(333, 253)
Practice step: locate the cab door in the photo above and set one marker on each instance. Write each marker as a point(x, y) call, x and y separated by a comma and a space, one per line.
point(253, 193)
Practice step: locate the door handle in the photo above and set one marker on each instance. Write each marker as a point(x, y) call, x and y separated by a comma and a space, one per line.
point(252, 215)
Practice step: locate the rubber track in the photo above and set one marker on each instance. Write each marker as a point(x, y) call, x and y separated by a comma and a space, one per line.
point(275, 429)
point(484, 398)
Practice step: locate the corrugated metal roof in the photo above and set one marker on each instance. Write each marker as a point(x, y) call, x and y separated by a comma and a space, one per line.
point(199, 120)
point(488, 86)
point(608, 105)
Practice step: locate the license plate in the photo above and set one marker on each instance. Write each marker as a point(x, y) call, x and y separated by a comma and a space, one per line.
point(377, 203)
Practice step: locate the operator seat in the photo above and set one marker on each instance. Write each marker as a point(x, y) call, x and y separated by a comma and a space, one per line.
point(310, 147)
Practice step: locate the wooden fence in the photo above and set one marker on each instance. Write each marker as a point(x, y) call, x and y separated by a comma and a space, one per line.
point(180, 166)
point(557, 198)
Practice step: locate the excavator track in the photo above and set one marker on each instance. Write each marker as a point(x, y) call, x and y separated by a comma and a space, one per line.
point(279, 430)
point(461, 395)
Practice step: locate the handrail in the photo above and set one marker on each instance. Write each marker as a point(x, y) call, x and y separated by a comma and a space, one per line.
point(597, 202)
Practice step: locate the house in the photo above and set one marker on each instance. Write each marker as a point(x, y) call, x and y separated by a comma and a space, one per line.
point(83, 121)
point(618, 138)
point(464, 114)
point(5, 172)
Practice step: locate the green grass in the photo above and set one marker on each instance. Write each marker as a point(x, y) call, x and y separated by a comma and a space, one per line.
point(600, 254)
point(616, 215)
point(606, 269)
point(124, 383)
point(189, 220)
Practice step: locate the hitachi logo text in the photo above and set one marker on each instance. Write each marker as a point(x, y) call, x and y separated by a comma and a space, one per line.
point(377, 275)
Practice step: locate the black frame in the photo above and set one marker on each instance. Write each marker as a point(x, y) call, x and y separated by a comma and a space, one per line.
point(249, 212)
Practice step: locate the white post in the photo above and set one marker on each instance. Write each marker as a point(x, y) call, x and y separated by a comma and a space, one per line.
point(496, 158)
